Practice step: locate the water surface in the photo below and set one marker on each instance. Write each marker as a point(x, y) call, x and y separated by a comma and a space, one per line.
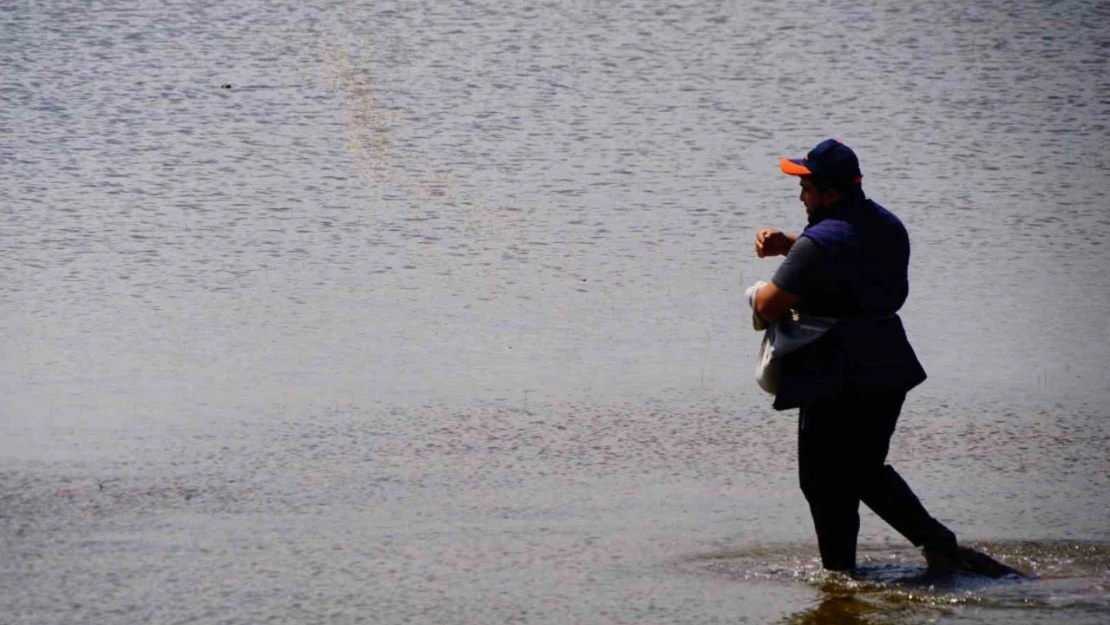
point(435, 314)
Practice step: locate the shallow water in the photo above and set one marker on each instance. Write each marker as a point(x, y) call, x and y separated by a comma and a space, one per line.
point(436, 314)
point(1063, 581)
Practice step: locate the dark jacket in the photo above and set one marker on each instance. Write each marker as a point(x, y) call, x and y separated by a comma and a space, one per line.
point(863, 283)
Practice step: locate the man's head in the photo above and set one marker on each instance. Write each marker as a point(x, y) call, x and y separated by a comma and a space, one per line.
point(828, 174)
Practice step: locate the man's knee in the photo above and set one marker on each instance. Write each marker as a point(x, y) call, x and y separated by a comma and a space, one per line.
point(878, 477)
point(810, 486)
point(825, 485)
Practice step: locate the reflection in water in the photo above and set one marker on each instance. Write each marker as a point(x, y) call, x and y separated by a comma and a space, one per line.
point(872, 596)
point(369, 127)
point(840, 609)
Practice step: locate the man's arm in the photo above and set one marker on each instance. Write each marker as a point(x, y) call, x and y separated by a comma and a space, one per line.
point(795, 277)
point(771, 302)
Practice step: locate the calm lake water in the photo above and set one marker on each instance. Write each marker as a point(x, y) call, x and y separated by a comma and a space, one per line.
point(432, 312)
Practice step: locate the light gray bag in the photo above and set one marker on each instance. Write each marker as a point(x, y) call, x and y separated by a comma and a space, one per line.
point(788, 334)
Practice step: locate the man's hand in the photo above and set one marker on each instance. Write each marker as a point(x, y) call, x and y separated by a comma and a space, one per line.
point(772, 242)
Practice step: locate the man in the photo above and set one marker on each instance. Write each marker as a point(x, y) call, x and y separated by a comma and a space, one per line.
point(850, 262)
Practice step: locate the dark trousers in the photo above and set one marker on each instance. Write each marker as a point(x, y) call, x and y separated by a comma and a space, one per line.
point(842, 448)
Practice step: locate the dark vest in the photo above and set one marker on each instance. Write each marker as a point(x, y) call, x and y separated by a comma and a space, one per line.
point(863, 284)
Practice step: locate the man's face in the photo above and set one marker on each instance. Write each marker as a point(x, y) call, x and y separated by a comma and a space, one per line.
point(815, 200)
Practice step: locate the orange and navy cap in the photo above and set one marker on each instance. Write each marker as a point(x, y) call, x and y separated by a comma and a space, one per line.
point(830, 160)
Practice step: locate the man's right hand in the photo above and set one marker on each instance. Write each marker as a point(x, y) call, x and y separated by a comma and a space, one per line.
point(772, 242)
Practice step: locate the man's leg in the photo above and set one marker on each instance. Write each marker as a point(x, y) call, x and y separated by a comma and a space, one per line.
point(882, 489)
point(888, 495)
point(842, 449)
point(828, 482)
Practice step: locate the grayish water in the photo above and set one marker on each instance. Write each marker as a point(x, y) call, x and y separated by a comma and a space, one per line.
point(436, 315)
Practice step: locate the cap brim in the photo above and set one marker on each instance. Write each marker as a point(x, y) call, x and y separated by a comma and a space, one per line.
point(794, 167)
